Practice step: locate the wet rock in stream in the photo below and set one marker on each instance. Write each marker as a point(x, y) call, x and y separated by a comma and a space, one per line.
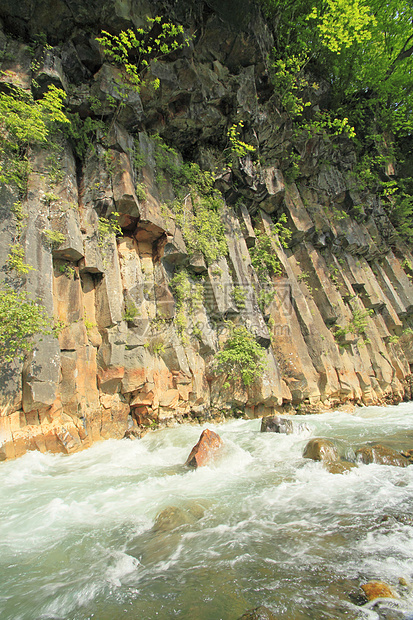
point(173, 517)
point(378, 589)
point(381, 455)
point(259, 613)
point(319, 449)
point(205, 450)
point(339, 467)
point(277, 424)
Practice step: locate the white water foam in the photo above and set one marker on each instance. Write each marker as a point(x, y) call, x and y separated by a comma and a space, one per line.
point(76, 538)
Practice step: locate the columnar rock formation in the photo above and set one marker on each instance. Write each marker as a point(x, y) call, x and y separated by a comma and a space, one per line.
point(123, 359)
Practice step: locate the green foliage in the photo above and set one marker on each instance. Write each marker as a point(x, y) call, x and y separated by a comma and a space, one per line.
point(83, 132)
point(157, 347)
point(181, 288)
point(67, 270)
point(22, 319)
point(133, 51)
point(265, 298)
point(138, 158)
point(89, 325)
point(107, 228)
point(199, 218)
point(19, 216)
point(141, 191)
point(324, 124)
point(263, 258)
point(357, 325)
point(288, 78)
point(54, 237)
point(342, 23)
point(15, 260)
point(241, 356)
point(202, 229)
point(189, 298)
point(25, 122)
point(131, 311)
point(239, 295)
point(363, 50)
point(237, 146)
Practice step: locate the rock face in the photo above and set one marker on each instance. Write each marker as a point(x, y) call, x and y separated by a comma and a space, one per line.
point(138, 346)
point(205, 450)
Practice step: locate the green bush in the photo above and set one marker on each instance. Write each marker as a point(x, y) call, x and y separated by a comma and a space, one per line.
point(241, 356)
point(24, 122)
point(21, 320)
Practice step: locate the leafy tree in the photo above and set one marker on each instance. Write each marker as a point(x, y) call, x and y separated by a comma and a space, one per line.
point(364, 50)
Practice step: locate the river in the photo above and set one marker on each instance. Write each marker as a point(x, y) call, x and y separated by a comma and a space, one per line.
point(263, 526)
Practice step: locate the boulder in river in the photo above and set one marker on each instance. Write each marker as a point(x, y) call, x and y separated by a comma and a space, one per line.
point(205, 450)
point(381, 455)
point(277, 424)
point(378, 589)
point(319, 449)
point(259, 613)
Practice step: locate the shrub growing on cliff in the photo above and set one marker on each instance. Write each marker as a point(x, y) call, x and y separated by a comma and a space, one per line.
point(132, 51)
point(199, 217)
point(241, 356)
point(263, 258)
point(21, 320)
point(25, 122)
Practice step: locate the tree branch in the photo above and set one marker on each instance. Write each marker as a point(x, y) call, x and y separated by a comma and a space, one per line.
point(405, 52)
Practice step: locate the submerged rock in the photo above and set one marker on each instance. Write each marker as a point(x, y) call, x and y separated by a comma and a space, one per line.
point(259, 613)
point(277, 424)
point(339, 467)
point(319, 449)
point(205, 450)
point(381, 455)
point(172, 517)
point(378, 589)
point(408, 454)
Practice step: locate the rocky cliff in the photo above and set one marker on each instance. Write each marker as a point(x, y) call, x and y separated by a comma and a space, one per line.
point(147, 298)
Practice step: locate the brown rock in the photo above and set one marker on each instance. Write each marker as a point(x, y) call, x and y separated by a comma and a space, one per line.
point(339, 467)
point(320, 450)
point(408, 454)
point(382, 456)
point(205, 450)
point(259, 613)
point(169, 399)
point(277, 424)
point(172, 517)
point(378, 589)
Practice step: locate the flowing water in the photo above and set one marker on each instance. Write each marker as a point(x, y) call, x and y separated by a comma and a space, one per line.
point(262, 526)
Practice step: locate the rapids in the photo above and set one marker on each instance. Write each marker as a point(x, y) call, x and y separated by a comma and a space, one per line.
point(77, 539)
